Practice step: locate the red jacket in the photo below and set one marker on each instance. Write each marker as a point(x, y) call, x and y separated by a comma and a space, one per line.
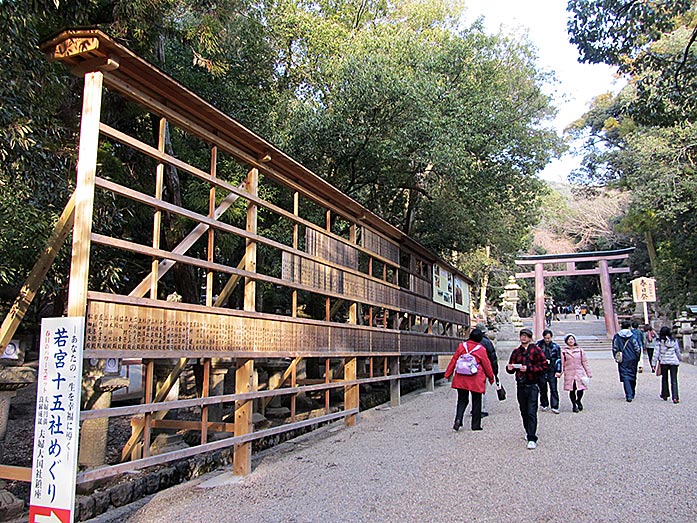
point(475, 382)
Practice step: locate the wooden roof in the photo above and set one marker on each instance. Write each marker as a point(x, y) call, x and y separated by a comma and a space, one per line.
point(88, 49)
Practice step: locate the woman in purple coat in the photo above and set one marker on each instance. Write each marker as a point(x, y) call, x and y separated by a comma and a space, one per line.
point(574, 365)
point(474, 383)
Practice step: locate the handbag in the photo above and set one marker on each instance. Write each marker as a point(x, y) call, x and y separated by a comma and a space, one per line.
point(618, 355)
point(500, 391)
point(658, 369)
point(586, 381)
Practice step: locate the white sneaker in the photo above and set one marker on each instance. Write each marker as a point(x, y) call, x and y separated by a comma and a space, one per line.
point(544, 408)
point(556, 411)
point(532, 445)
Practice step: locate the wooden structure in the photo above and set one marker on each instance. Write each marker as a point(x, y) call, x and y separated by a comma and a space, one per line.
point(569, 261)
point(391, 327)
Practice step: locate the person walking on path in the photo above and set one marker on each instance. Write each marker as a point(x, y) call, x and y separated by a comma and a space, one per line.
point(575, 370)
point(577, 312)
point(650, 337)
point(626, 352)
point(493, 359)
point(667, 357)
point(548, 379)
point(528, 362)
point(639, 337)
point(474, 383)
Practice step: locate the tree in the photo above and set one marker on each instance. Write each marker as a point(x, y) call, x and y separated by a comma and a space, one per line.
point(642, 140)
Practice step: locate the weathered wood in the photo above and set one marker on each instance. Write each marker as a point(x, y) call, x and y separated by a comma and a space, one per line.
point(107, 472)
point(290, 371)
point(38, 273)
point(74, 47)
point(84, 194)
point(250, 257)
point(351, 392)
point(242, 453)
point(12, 473)
point(395, 390)
point(159, 396)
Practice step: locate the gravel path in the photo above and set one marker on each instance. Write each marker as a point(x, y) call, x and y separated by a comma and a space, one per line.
point(613, 462)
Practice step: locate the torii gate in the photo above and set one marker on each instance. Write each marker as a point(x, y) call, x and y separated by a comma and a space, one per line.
point(570, 259)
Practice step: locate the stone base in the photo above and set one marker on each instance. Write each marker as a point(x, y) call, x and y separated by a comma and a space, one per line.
point(167, 443)
point(10, 506)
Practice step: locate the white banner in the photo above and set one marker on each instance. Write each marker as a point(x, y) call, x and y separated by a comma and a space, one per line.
point(56, 429)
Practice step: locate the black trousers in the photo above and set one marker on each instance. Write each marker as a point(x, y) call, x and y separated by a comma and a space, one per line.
point(671, 370)
point(463, 401)
point(527, 401)
point(549, 381)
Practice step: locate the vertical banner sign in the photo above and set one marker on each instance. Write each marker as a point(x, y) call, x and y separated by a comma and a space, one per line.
point(54, 468)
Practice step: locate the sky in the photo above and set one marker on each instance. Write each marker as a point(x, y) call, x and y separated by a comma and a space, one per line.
point(545, 23)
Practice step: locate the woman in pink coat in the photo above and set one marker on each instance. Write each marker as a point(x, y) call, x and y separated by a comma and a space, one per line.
point(574, 365)
point(474, 383)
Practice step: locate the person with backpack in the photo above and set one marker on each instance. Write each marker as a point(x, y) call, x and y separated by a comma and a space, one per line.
point(528, 362)
point(493, 359)
point(470, 368)
point(626, 352)
point(576, 371)
point(667, 357)
point(548, 379)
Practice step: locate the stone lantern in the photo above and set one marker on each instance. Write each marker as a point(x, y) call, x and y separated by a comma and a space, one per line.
point(685, 330)
point(511, 300)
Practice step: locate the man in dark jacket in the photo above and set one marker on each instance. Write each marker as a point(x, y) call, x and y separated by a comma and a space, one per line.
point(528, 362)
point(493, 359)
point(625, 343)
point(548, 379)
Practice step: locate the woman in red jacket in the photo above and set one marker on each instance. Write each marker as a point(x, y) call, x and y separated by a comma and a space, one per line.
point(474, 383)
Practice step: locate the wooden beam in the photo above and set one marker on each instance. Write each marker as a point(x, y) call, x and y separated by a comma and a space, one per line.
point(160, 396)
point(12, 473)
point(84, 194)
point(579, 259)
point(290, 371)
point(576, 272)
point(38, 273)
point(244, 382)
point(351, 392)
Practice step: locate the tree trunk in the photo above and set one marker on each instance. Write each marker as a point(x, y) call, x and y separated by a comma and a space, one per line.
point(485, 285)
point(651, 249)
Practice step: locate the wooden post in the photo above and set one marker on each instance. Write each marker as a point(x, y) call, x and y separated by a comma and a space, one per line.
point(294, 298)
point(205, 391)
point(250, 265)
point(242, 453)
point(539, 299)
point(157, 217)
point(430, 381)
point(211, 232)
point(395, 389)
point(84, 194)
point(327, 379)
point(606, 291)
point(149, 382)
point(351, 392)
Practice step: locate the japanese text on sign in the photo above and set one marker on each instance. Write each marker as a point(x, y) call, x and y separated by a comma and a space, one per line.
point(644, 290)
point(54, 466)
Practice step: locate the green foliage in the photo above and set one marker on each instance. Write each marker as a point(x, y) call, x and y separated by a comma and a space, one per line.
point(643, 140)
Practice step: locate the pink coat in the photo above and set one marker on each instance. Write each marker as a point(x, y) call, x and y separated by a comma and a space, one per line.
point(476, 382)
point(574, 365)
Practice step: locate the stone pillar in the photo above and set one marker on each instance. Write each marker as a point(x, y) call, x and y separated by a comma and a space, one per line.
point(93, 435)
point(219, 371)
